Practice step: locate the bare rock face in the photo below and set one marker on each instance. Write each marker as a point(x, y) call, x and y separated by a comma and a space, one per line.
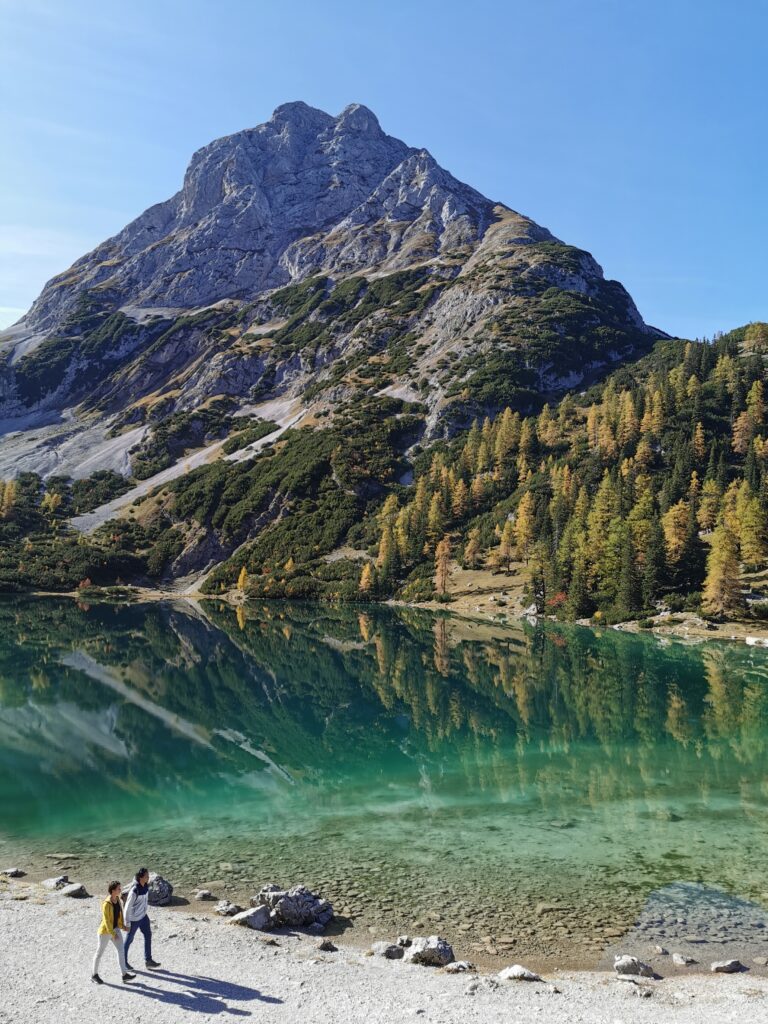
point(269, 204)
point(418, 279)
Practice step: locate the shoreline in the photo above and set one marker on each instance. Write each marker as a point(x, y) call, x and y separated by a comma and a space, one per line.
point(212, 966)
point(678, 626)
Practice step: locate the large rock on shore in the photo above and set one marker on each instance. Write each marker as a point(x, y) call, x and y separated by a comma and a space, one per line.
point(430, 952)
point(297, 907)
point(160, 890)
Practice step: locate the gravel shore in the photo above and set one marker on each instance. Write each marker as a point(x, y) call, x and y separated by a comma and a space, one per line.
point(211, 967)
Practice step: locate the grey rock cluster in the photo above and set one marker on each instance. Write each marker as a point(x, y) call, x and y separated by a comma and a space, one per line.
point(297, 907)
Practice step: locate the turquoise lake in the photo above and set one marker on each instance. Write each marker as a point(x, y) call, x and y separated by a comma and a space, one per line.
point(528, 786)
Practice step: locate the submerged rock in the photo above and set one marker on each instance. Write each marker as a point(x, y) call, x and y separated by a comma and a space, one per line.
point(429, 952)
point(517, 973)
point(631, 965)
point(160, 890)
point(14, 873)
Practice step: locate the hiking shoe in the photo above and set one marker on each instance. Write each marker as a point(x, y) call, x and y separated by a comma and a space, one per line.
point(128, 976)
point(151, 963)
point(97, 979)
point(129, 968)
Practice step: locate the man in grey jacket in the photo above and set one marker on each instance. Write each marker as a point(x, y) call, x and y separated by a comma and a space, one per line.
point(135, 915)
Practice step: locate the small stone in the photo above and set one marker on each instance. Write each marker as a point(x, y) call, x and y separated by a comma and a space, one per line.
point(761, 961)
point(517, 973)
point(727, 967)
point(326, 946)
point(479, 983)
point(203, 894)
point(459, 967)
point(14, 873)
point(74, 889)
point(404, 941)
point(388, 950)
point(56, 883)
point(683, 961)
point(661, 950)
point(227, 909)
point(631, 965)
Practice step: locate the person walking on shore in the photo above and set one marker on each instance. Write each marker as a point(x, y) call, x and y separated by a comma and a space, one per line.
point(137, 917)
point(109, 931)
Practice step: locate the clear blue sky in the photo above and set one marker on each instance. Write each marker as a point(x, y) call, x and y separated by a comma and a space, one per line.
point(636, 130)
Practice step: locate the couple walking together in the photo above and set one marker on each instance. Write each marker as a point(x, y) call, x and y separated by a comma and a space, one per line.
point(116, 919)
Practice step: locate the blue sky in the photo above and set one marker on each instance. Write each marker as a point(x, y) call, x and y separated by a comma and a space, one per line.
point(634, 130)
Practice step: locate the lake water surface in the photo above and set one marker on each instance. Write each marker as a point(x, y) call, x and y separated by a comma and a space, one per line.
point(511, 788)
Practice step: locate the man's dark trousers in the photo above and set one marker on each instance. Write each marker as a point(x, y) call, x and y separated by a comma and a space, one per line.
point(146, 931)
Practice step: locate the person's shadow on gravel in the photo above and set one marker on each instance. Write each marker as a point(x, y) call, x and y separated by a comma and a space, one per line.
point(200, 1001)
point(214, 986)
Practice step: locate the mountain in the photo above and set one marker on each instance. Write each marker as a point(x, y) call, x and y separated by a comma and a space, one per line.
point(310, 258)
point(327, 368)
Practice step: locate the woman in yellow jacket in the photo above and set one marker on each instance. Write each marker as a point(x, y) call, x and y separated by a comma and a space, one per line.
point(109, 931)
